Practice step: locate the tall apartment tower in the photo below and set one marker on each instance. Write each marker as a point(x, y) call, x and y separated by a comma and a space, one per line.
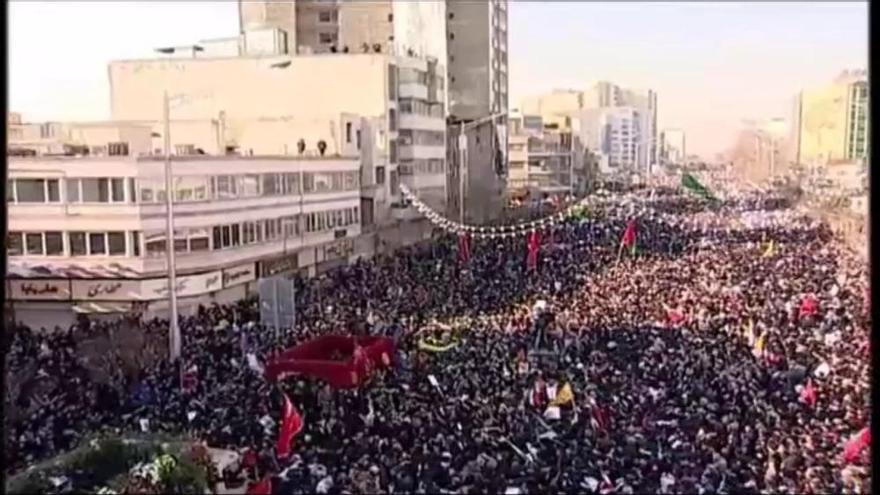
point(478, 104)
point(414, 29)
point(477, 45)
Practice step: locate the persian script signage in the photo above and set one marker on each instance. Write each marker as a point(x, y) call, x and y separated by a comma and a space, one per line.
point(191, 285)
point(39, 290)
point(239, 275)
point(279, 265)
point(106, 290)
point(339, 249)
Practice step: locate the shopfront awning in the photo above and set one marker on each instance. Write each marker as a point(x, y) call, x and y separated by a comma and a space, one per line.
point(101, 308)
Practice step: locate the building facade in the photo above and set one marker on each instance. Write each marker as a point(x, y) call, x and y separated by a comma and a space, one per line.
point(590, 103)
point(833, 121)
point(88, 234)
point(478, 103)
point(613, 134)
point(545, 157)
point(280, 104)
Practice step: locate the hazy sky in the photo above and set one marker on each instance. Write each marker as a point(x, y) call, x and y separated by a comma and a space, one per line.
point(712, 64)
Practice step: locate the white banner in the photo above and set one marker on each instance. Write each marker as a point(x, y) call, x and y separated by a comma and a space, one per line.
point(106, 290)
point(239, 275)
point(39, 290)
point(191, 285)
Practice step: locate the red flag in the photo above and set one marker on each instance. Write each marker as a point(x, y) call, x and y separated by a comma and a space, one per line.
point(189, 380)
point(674, 316)
point(808, 394)
point(809, 305)
point(532, 258)
point(600, 417)
point(264, 487)
point(853, 447)
point(291, 424)
point(629, 235)
point(464, 247)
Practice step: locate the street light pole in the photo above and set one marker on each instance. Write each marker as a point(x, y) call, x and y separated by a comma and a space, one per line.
point(462, 168)
point(174, 338)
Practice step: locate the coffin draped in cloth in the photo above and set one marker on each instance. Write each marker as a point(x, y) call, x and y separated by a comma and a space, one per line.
point(342, 361)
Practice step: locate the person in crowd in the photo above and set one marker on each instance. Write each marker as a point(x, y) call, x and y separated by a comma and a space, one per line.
point(681, 368)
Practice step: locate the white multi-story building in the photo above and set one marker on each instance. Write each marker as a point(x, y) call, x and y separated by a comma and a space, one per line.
point(545, 157)
point(401, 99)
point(88, 234)
point(614, 135)
point(600, 96)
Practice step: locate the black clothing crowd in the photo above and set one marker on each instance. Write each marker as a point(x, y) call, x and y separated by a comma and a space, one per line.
point(682, 406)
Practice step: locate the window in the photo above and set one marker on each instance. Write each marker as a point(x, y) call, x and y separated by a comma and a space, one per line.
point(291, 183)
point(250, 185)
point(117, 190)
point(227, 236)
point(155, 244)
point(323, 181)
point(348, 132)
point(395, 183)
point(358, 138)
point(14, 245)
point(226, 186)
point(349, 182)
point(136, 243)
point(392, 82)
point(392, 151)
point(54, 244)
point(77, 243)
point(326, 38)
point(324, 16)
point(451, 35)
point(132, 189)
point(97, 244)
point(30, 190)
point(33, 243)
point(271, 185)
point(116, 243)
point(452, 15)
point(336, 181)
point(236, 234)
point(10, 190)
point(53, 191)
point(392, 119)
point(216, 238)
point(380, 175)
point(95, 190)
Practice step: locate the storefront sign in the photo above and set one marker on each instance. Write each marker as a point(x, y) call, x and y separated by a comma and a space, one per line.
point(39, 290)
point(279, 265)
point(191, 285)
point(339, 249)
point(106, 290)
point(239, 275)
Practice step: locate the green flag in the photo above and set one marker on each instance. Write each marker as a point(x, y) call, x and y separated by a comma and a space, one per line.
point(580, 213)
point(693, 185)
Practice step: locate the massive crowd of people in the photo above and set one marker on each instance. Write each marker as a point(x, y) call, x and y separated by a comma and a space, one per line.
point(657, 347)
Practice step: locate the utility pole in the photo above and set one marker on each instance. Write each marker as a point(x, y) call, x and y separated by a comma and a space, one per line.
point(174, 338)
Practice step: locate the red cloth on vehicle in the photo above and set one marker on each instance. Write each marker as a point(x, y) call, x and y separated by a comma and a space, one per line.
point(315, 358)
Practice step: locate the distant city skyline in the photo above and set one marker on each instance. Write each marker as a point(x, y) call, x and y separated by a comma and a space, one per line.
point(713, 65)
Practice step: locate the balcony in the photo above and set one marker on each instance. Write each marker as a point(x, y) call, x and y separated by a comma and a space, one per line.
point(422, 122)
point(411, 152)
point(413, 90)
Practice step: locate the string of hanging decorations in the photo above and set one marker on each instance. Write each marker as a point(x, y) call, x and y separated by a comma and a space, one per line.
point(492, 231)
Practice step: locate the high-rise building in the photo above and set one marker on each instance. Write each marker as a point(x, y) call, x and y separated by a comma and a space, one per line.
point(833, 121)
point(545, 156)
point(614, 134)
point(601, 95)
point(414, 29)
point(477, 41)
point(673, 148)
point(478, 103)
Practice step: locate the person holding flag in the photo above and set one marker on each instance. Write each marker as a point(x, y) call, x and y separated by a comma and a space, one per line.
point(291, 425)
point(628, 240)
